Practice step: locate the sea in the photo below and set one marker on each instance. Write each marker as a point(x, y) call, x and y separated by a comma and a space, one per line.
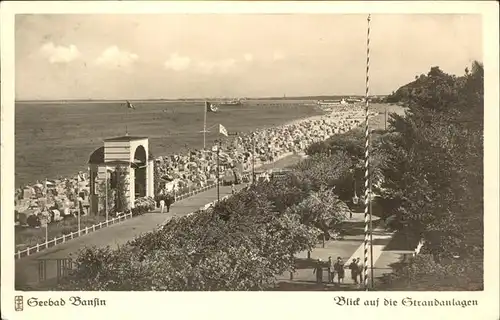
point(54, 139)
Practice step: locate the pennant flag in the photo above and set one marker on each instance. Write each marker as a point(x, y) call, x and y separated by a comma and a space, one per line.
point(222, 130)
point(211, 107)
point(130, 105)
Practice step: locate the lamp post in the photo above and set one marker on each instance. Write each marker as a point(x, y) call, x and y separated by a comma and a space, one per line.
point(47, 234)
point(80, 204)
point(253, 158)
point(218, 145)
point(355, 198)
point(218, 173)
point(106, 193)
point(385, 119)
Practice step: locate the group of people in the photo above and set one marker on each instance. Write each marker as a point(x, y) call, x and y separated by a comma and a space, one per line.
point(337, 269)
point(164, 201)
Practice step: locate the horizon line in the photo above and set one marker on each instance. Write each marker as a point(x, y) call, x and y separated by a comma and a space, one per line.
point(198, 99)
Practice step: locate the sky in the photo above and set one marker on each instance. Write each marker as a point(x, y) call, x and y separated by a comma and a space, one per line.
point(147, 56)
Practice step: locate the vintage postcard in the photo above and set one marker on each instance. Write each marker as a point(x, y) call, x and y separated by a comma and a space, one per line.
point(249, 159)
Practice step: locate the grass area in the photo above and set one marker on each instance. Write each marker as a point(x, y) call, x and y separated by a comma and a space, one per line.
point(28, 237)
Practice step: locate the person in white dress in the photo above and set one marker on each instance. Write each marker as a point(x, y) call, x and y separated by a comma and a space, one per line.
point(162, 205)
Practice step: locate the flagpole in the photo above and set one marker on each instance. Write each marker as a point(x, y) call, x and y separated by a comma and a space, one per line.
point(367, 230)
point(126, 122)
point(218, 173)
point(371, 238)
point(204, 125)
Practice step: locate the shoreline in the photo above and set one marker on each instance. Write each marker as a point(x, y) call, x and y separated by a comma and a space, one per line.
point(72, 176)
point(325, 116)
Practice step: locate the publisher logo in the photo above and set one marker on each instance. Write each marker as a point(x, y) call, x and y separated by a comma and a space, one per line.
point(18, 303)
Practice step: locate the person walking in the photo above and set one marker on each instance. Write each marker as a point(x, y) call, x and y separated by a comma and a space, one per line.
point(318, 270)
point(162, 205)
point(331, 270)
point(354, 270)
point(360, 268)
point(169, 201)
point(339, 269)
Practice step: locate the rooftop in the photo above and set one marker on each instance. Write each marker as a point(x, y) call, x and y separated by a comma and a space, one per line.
point(124, 139)
point(97, 157)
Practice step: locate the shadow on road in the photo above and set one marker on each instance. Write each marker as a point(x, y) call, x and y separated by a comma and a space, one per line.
point(401, 242)
point(312, 286)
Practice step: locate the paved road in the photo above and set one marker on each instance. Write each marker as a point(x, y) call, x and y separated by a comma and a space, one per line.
point(387, 250)
point(120, 233)
point(114, 235)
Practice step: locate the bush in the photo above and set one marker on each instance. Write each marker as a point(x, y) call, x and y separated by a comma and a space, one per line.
point(239, 244)
point(33, 221)
point(143, 205)
point(425, 273)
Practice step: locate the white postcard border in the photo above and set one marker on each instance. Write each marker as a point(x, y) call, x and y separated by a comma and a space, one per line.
point(217, 305)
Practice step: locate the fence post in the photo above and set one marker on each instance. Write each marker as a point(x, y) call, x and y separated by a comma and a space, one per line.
point(37, 247)
point(93, 227)
point(28, 251)
point(71, 235)
point(19, 254)
point(86, 230)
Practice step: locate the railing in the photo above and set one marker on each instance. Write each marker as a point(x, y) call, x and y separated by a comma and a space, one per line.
point(199, 190)
point(213, 185)
point(66, 237)
point(195, 191)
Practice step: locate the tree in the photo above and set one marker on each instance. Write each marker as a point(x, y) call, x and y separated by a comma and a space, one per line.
point(434, 172)
point(121, 203)
point(322, 210)
point(239, 244)
point(321, 170)
point(109, 205)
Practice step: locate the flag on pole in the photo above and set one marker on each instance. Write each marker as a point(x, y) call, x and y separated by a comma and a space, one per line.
point(222, 130)
point(210, 107)
point(130, 105)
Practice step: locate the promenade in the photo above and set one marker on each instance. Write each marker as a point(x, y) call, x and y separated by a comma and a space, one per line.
point(388, 249)
point(348, 248)
point(121, 233)
point(114, 235)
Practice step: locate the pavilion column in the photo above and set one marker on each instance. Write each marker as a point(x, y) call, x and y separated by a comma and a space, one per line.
point(131, 187)
point(150, 179)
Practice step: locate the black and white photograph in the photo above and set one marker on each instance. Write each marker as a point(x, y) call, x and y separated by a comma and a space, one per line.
point(258, 151)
